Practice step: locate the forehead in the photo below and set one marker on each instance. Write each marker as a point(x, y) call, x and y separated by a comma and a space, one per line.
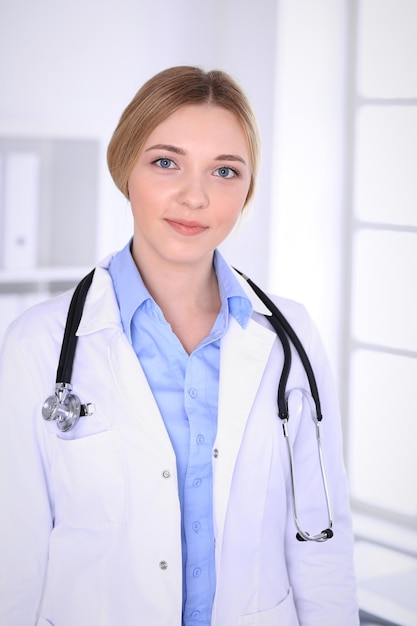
point(207, 123)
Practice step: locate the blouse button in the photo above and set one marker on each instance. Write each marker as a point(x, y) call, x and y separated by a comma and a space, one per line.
point(163, 565)
point(166, 474)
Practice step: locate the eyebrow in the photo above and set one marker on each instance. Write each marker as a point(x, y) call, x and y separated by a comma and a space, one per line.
point(168, 147)
point(182, 152)
point(230, 157)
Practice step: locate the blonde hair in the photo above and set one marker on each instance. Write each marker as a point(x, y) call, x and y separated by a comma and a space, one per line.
point(164, 94)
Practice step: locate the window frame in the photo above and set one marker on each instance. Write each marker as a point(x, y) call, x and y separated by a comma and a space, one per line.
point(375, 523)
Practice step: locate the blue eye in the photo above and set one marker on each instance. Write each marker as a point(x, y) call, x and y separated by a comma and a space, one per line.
point(226, 172)
point(165, 163)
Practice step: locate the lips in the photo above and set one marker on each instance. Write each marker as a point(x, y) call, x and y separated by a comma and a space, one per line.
point(187, 228)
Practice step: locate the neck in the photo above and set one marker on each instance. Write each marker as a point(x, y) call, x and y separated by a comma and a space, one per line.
point(186, 285)
point(187, 294)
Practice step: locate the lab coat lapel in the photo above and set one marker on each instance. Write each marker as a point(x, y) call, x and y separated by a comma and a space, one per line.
point(136, 392)
point(102, 314)
point(244, 354)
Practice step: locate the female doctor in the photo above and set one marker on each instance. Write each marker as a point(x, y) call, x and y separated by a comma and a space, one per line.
point(170, 502)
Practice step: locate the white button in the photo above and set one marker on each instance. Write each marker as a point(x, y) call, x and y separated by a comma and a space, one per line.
point(163, 564)
point(166, 474)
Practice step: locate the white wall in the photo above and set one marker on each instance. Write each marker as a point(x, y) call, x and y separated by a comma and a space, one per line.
point(309, 150)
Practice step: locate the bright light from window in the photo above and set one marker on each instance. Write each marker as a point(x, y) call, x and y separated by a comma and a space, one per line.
point(388, 48)
point(385, 168)
point(382, 422)
point(383, 431)
point(384, 302)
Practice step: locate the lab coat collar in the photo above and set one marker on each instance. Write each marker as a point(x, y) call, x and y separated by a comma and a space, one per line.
point(102, 310)
point(257, 304)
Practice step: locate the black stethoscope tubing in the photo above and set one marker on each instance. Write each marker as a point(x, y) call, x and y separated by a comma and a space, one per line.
point(69, 342)
point(284, 331)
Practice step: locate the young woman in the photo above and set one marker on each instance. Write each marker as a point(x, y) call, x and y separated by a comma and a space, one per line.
point(170, 501)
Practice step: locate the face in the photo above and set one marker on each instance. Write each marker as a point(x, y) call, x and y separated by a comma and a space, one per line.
point(188, 186)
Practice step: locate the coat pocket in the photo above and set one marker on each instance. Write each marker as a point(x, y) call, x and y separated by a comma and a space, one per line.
point(283, 613)
point(89, 480)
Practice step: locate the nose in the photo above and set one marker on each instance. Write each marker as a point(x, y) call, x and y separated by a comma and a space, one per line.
point(193, 193)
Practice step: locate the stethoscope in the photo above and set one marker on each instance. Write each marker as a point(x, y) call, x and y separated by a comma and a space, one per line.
point(65, 407)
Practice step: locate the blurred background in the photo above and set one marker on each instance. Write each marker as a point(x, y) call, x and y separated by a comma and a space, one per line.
point(333, 223)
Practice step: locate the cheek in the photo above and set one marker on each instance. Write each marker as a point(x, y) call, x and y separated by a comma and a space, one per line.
point(242, 194)
point(232, 196)
point(140, 193)
point(231, 213)
point(238, 202)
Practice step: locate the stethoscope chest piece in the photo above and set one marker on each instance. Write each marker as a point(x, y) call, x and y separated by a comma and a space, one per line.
point(65, 407)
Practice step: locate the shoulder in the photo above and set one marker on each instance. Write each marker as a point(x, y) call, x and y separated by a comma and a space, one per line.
point(44, 319)
point(31, 346)
point(43, 324)
point(259, 296)
point(295, 313)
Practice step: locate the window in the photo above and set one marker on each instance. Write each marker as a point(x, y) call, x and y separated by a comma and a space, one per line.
point(381, 309)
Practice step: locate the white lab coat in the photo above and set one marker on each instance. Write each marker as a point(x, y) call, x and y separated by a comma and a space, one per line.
point(90, 519)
